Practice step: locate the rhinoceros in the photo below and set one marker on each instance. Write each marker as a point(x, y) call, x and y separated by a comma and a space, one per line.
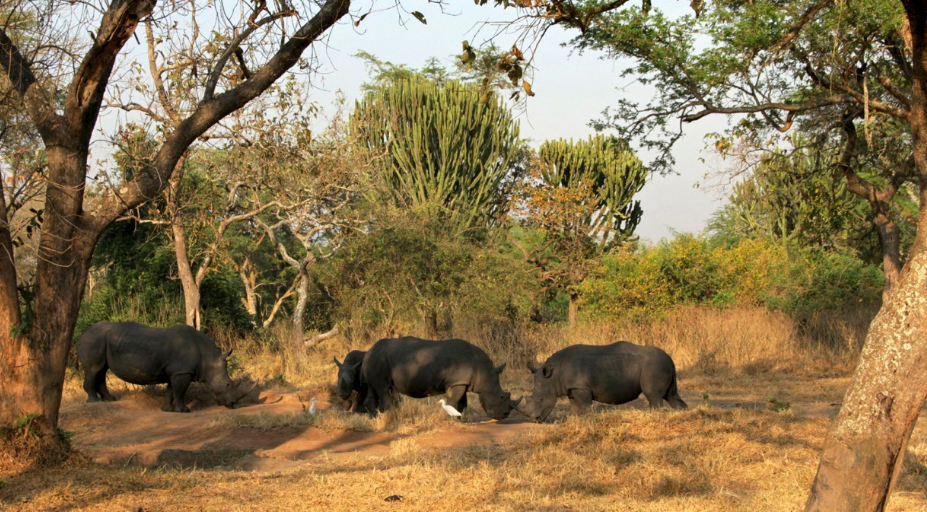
point(349, 380)
point(419, 368)
point(611, 374)
point(144, 355)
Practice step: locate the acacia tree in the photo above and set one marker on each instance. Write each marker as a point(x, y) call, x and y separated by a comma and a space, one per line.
point(842, 72)
point(34, 353)
point(850, 67)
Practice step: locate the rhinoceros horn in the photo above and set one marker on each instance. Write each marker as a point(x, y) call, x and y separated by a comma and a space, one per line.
point(515, 403)
point(242, 394)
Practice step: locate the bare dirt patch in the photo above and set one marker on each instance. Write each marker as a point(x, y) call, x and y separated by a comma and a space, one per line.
point(276, 433)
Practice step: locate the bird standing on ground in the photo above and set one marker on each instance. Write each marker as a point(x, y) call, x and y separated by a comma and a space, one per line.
point(454, 413)
point(312, 410)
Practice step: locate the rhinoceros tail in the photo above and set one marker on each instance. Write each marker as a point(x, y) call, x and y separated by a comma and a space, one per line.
point(672, 396)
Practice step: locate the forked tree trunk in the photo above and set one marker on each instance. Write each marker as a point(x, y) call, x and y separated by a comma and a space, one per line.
point(865, 448)
point(864, 451)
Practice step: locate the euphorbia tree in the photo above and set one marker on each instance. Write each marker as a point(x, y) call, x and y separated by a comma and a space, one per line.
point(580, 195)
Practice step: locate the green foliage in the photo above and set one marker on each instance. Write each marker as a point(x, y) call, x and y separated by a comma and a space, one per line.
point(740, 57)
point(449, 149)
point(693, 270)
point(405, 273)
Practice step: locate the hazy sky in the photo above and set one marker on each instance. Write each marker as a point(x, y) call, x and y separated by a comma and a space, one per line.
point(571, 90)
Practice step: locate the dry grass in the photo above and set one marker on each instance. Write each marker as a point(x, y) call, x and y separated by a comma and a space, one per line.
point(701, 459)
point(731, 451)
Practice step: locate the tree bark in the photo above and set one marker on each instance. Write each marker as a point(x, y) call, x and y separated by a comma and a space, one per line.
point(302, 300)
point(890, 242)
point(864, 451)
point(34, 349)
point(248, 276)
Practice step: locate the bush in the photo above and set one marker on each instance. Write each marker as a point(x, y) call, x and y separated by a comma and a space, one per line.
point(692, 270)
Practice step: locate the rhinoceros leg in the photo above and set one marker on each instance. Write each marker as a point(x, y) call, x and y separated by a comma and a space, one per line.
point(458, 398)
point(580, 400)
point(174, 395)
point(179, 384)
point(102, 389)
point(655, 399)
point(90, 384)
point(360, 401)
point(168, 399)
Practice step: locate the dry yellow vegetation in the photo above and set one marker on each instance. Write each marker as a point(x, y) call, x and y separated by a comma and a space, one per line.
point(760, 399)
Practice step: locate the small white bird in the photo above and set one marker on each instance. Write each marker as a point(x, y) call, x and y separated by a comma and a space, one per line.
point(312, 410)
point(454, 413)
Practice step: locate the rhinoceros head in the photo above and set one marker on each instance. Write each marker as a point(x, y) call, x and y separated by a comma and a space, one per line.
point(348, 375)
point(218, 381)
point(498, 404)
point(539, 405)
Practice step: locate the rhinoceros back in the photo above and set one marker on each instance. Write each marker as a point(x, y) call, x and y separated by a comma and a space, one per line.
point(615, 373)
point(144, 355)
point(420, 368)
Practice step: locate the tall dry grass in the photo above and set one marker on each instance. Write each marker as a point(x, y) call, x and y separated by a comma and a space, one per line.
point(699, 338)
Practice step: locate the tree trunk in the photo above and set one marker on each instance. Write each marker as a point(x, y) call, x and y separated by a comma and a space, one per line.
point(191, 289)
point(302, 300)
point(864, 451)
point(34, 353)
point(890, 242)
point(573, 311)
point(249, 283)
point(188, 280)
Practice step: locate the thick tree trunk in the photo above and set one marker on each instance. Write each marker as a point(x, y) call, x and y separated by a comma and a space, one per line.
point(33, 355)
point(865, 449)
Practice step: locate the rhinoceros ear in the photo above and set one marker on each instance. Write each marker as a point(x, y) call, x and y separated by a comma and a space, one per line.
point(532, 368)
point(336, 362)
point(547, 371)
point(500, 368)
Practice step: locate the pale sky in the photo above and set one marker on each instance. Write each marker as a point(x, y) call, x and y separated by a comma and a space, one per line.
point(570, 91)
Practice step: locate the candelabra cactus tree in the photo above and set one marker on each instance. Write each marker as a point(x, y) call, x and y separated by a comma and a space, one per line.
point(449, 148)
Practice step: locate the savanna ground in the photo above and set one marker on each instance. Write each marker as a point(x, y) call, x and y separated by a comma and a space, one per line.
point(761, 388)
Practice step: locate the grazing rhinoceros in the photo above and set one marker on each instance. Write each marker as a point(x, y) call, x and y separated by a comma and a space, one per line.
point(420, 368)
point(611, 374)
point(349, 380)
point(144, 355)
